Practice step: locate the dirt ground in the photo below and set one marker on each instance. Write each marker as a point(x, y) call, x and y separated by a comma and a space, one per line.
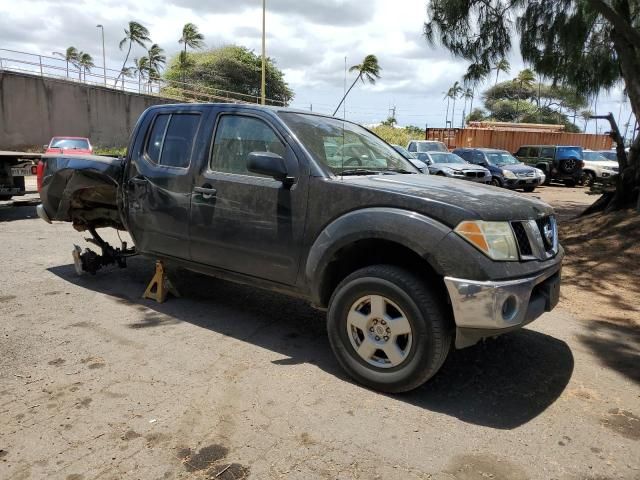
point(228, 382)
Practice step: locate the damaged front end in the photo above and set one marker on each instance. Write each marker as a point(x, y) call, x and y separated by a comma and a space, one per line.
point(82, 190)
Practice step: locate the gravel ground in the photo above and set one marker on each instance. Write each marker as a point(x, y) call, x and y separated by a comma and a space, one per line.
point(228, 382)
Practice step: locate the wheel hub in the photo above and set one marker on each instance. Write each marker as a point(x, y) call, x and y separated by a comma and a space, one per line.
point(379, 331)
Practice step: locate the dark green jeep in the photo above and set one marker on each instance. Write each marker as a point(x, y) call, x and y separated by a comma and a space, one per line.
point(561, 163)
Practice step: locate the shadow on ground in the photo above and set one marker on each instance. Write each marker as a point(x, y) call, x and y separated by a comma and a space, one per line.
point(10, 212)
point(501, 384)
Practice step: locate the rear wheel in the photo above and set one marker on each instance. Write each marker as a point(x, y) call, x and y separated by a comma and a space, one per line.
point(387, 329)
point(588, 179)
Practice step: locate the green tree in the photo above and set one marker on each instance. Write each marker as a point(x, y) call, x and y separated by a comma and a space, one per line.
point(501, 65)
point(586, 116)
point(191, 38)
point(85, 63)
point(136, 33)
point(453, 93)
point(590, 45)
point(368, 70)
point(390, 122)
point(220, 72)
point(141, 70)
point(467, 94)
point(156, 60)
point(70, 56)
point(476, 73)
point(476, 115)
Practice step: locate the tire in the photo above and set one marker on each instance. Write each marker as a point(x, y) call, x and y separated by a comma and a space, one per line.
point(587, 179)
point(529, 189)
point(440, 174)
point(407, 305)
point(5, 197)
point(568, 165)
point(496, 182)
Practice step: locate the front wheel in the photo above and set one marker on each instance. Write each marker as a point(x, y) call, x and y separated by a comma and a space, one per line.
point(496, 182)
point(588, 179)
point(387, 329)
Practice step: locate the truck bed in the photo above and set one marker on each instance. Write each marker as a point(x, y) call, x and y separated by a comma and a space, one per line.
point(82, 190)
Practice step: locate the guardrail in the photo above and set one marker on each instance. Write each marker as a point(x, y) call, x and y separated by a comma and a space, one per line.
point(58, 68)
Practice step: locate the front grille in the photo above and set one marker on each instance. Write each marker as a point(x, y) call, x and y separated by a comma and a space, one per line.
point(536, 239)
point(474, 174)
point(521, 238)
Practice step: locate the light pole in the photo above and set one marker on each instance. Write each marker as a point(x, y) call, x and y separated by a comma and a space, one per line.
point(264, 67)
point(104, 63)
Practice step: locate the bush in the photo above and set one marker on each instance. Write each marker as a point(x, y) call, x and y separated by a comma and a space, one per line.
point(398, 136)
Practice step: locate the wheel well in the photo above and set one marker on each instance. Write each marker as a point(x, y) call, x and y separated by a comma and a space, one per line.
point(364, 253)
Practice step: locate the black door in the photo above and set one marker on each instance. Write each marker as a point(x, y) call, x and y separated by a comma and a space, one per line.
point(159, 184)
point(242, 221)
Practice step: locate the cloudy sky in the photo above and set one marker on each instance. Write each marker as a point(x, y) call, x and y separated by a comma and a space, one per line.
point(308, 39)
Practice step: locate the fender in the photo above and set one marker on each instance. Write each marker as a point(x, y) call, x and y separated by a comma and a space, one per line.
point(410, 229)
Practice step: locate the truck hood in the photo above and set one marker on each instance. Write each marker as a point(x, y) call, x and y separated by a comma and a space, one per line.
point(516, 168)
point(451, 201)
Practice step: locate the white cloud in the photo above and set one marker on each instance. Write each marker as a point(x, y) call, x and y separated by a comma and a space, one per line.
point(308, 39)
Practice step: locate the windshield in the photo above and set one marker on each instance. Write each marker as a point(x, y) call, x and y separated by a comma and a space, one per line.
point(609, 155)
point(501, 158)
point(438, 157)
point(344, 147)
point(431, 147)
point(70, 143)
point(593, 157)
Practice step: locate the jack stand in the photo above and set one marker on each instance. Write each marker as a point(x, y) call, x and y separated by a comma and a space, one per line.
point(160, 286)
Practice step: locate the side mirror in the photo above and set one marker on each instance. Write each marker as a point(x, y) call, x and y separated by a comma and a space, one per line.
point(270, 164)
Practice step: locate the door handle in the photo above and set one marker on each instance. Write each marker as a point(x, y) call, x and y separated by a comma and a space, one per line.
point(206, 191)
point(138, 181)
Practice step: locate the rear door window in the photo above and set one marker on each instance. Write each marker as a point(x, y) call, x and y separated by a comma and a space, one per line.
point(171, 139)
point(547, 152)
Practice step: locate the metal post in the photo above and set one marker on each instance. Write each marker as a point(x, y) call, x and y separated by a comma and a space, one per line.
point(264, 66)
point(104, 62)
point(40, 58)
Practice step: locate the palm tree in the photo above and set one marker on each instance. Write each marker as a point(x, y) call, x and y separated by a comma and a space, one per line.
point(85, 62)
point(502, 66)
point(455, 91)
point(448, 95)
point(136, 33)
point(476, 73)
point(156, 60)
point(467, 94)
point(70, 56)
point(525, 79)
point(141, 69)
point(185, 63)
point(368, 69)
point(191, 38)
point(586, 116)
point(126, 72)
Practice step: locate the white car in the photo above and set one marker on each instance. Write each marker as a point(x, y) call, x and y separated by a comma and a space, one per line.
point(596, 167)
point(422, 146)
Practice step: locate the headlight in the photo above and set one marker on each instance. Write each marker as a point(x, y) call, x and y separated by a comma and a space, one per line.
point(508, 174)
point(494, 239)
point(457, 172)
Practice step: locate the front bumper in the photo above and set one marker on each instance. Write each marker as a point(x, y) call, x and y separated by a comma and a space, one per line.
point(490, 308)
point(42, 213)
point(522, 182)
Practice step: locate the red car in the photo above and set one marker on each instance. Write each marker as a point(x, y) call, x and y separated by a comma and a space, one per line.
point(69, 145)
point(66, 146)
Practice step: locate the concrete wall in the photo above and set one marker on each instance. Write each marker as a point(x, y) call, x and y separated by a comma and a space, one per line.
point(33, 109)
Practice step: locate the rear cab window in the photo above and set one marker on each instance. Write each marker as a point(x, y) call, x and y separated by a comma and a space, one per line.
point(171, 139)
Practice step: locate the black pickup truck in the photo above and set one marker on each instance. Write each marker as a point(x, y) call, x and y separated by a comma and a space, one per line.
point(406, 265)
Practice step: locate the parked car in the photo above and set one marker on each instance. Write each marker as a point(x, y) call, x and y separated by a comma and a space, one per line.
point(406, 265)
point(596, 167)
point(506, 170)
point(419, 164)
point(69, 145)
point(415, 146)
point(451, 165)
point(609, 154)
point(561, 163)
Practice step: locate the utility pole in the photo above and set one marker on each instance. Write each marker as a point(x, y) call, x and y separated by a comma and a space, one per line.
point(104, 62)
point(264, 60)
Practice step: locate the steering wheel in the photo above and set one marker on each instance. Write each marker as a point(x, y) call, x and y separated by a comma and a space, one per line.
point(353, 161)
